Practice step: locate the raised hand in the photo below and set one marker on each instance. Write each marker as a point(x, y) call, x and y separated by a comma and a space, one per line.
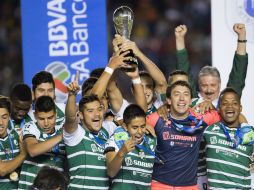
point(180, 31)
point(130, 45)
point(117, 42)
point(73, 87)
point(117, 60)
point(240, 30)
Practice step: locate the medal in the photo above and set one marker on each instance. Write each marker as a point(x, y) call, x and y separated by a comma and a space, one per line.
point(14, 176)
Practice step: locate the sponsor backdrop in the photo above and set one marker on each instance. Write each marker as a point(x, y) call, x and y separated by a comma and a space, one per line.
point(224, 40)
point(62, 37)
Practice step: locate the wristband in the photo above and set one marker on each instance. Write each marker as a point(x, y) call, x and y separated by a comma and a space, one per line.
point(136, 81)
point(109, 70)
point(242, 41)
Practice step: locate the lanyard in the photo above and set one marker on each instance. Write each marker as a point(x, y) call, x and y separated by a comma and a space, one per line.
point(124, 134)
point(146, 150)
point(235, 141)
point(187, 128)
point(12, 148)
point(98, 140)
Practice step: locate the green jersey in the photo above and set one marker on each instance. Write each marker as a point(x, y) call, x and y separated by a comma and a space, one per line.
point(227, 167)
point(86, 161)
point(9, 149)
point(32, 165)
point(137, 167)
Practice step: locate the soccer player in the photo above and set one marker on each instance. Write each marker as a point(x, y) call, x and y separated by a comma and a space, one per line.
point(43, 84)
point(229, 146)
point(85, 141)
point(130, 153)
point(21, 99)
point(12, 150)
point(178, 140)
point(43, 141)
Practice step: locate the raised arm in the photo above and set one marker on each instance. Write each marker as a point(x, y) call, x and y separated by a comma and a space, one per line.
point(71, 119)
point(138, 89)
point(115, 62)
point(152, 69)
point(240, 63)
point(9, 166)
point(182, 56)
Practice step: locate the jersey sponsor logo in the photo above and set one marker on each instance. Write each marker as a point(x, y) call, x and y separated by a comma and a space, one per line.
point(165, 135)
point(227, 143)
point(183, 138)
point(130, 162)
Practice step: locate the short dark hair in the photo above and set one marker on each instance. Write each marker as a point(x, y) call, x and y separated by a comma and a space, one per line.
point(132, 111)
point(45, 104)
point(42, 77)
point(21, 92)
point(87, 99)
point(176, 72)
point(177, 83)
point(48, 179)
point(88, 85)
point(228, 90)
point(146, 74)
point(96, 73)
point(5, 103)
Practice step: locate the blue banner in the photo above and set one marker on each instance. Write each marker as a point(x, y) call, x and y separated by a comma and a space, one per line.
point(63, 36)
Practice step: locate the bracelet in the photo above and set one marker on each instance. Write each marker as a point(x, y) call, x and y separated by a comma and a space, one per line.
point(242, 41)
point(136, 81)
point(109, 70)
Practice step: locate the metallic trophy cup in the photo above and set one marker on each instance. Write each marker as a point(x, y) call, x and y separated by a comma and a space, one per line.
point(123, 21)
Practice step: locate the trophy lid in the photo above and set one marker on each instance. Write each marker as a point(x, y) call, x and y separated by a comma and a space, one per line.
point(123, 20)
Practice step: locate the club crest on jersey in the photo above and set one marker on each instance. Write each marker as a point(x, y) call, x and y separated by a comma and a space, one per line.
point(128, 161)
point(94, 148)
point(213, 140)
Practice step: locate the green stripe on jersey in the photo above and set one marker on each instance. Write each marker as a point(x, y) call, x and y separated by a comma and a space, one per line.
point(5, 182)
point(32, 165)
point(226, 167)
point(87, 163)
point(136, 170)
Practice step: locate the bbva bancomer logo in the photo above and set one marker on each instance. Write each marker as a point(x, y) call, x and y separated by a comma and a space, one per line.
point(241, 11)
point(61, 75)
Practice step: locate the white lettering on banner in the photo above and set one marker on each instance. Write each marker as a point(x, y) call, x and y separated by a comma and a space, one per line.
point(62, 44)
point(57, 33)
point(80, 45)
point(80, 33)
point(80, 66)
